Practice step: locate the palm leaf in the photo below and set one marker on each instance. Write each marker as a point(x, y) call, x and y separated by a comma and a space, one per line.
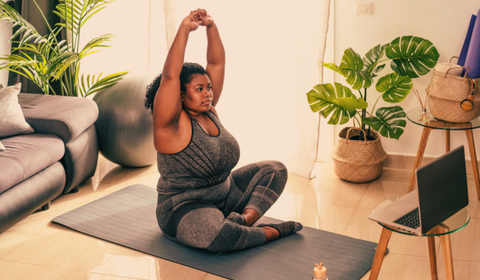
point(412, 56)
point(395, 88)
point(337, 101)
point(388, 121)
point(29, 32)
point(351, 68)
point(372, 58)
point(95, 42)
point(93, 85)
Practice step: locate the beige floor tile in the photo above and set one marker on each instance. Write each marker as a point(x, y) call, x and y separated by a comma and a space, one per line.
point(379, 190)
point(403, 267)
point(141, 266)
point(463, 270)
point(60, 247)
point(98, 276)
point(334, 191)
point(22, 271)
point(22, 232)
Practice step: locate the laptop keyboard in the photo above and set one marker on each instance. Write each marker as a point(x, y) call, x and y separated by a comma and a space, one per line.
point(410, 219)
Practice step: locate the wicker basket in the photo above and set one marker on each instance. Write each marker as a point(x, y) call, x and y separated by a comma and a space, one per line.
point(358, 161)
point(445, 94)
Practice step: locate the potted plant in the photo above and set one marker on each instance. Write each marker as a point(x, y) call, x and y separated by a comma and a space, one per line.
point(358, 155)
point(47, 59)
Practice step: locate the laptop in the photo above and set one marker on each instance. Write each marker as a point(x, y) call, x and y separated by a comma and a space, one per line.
point(441, 192)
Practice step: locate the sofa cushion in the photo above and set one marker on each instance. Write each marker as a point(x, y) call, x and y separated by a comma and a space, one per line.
point(58, 115)
point(12, 121)
point(26, 155)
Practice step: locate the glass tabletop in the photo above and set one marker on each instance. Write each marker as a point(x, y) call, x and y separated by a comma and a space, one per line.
point(452, 224)
point(416, 116)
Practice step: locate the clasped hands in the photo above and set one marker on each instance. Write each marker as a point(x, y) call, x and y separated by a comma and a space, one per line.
point(196, 18)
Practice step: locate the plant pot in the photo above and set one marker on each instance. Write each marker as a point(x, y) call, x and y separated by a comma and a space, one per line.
point(358, 161)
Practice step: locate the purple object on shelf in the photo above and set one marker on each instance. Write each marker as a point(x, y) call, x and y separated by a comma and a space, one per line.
point(463, 53)
point(473, 54)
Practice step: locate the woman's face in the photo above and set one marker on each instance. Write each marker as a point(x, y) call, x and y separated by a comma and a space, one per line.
point(198, 96)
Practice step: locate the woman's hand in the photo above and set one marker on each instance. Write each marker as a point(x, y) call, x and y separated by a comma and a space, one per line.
point(203, 17)
point(192, 21)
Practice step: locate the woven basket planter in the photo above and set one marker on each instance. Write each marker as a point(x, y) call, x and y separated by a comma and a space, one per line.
point(358, 161)
point(445, 94)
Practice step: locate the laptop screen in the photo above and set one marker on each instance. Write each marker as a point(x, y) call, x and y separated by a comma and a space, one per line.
point(442, 188)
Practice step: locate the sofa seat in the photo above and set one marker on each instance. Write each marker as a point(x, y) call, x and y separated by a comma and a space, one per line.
point(26, 155)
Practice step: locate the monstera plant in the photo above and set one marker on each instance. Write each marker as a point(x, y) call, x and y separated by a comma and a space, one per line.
point(409, 58)
point(47, 59)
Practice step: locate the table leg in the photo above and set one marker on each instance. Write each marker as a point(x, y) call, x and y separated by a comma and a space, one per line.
point(447, 140)
point(418, 159)
point(433, 257)
point(447, 253)
point(473, 158)
point(380, 253)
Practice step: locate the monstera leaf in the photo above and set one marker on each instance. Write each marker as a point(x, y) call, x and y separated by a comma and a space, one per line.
point(395, 88)
point(351, 68)
point(337, 101)
point(371, 59)
point(412, 56)
point(388, 121)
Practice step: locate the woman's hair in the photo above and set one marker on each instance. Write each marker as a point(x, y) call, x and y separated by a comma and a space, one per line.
point(188, 70)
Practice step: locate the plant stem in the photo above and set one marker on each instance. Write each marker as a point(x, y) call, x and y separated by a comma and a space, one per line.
point(364, 111)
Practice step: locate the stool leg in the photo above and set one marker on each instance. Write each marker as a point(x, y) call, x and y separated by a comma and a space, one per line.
point(433, 257)
point(447, 140)
point(380, 253)
point(418, 159)
point(447, 254)
point(473, 157)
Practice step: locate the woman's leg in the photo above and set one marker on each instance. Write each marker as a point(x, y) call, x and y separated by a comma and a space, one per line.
point(203, 225)
point(254, 189)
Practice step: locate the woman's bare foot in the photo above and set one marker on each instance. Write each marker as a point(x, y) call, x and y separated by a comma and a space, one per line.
point(275, 231)
point(251, 216)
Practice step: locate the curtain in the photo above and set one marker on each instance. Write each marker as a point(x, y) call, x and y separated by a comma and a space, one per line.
point(273, 51)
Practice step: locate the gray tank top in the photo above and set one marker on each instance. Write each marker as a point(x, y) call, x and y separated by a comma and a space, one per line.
point(201, 170)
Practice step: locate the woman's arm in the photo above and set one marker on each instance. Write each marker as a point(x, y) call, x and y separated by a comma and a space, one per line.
point(215, 57)
point(167, 103)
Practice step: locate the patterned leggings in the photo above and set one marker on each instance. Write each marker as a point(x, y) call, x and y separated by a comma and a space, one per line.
point(202, 224)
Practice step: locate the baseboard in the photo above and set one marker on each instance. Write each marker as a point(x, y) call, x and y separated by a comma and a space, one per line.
point(407, 162)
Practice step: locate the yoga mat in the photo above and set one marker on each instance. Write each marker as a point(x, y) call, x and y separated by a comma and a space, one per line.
point(127, 217)
point(473, 54)
point(466, 43)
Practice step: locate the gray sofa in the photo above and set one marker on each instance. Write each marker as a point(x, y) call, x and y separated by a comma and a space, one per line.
point(35, 168)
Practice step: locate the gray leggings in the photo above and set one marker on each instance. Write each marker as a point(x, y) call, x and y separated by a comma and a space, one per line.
point(202, 224)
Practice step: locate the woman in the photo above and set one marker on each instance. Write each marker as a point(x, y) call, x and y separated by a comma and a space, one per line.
point(201, 203)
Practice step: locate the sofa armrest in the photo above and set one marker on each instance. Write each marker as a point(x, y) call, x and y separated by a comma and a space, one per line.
point(64, 116)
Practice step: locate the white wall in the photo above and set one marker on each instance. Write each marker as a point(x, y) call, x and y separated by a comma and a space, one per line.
point(5, 34)
point(443, 22)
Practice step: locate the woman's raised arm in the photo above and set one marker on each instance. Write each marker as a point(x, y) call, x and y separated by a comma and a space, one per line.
point(167, 103)
point(215, 57)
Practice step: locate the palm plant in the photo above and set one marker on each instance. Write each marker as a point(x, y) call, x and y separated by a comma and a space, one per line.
point(409, 56)
point(45, 59)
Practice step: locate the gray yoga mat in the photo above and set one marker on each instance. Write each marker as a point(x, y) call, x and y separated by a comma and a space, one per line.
point(127, 218)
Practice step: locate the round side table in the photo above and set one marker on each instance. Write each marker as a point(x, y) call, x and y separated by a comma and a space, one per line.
point(415, 116)
point(443, 231)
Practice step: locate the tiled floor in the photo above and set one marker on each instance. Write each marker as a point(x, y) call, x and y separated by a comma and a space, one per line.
point(37, 249)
